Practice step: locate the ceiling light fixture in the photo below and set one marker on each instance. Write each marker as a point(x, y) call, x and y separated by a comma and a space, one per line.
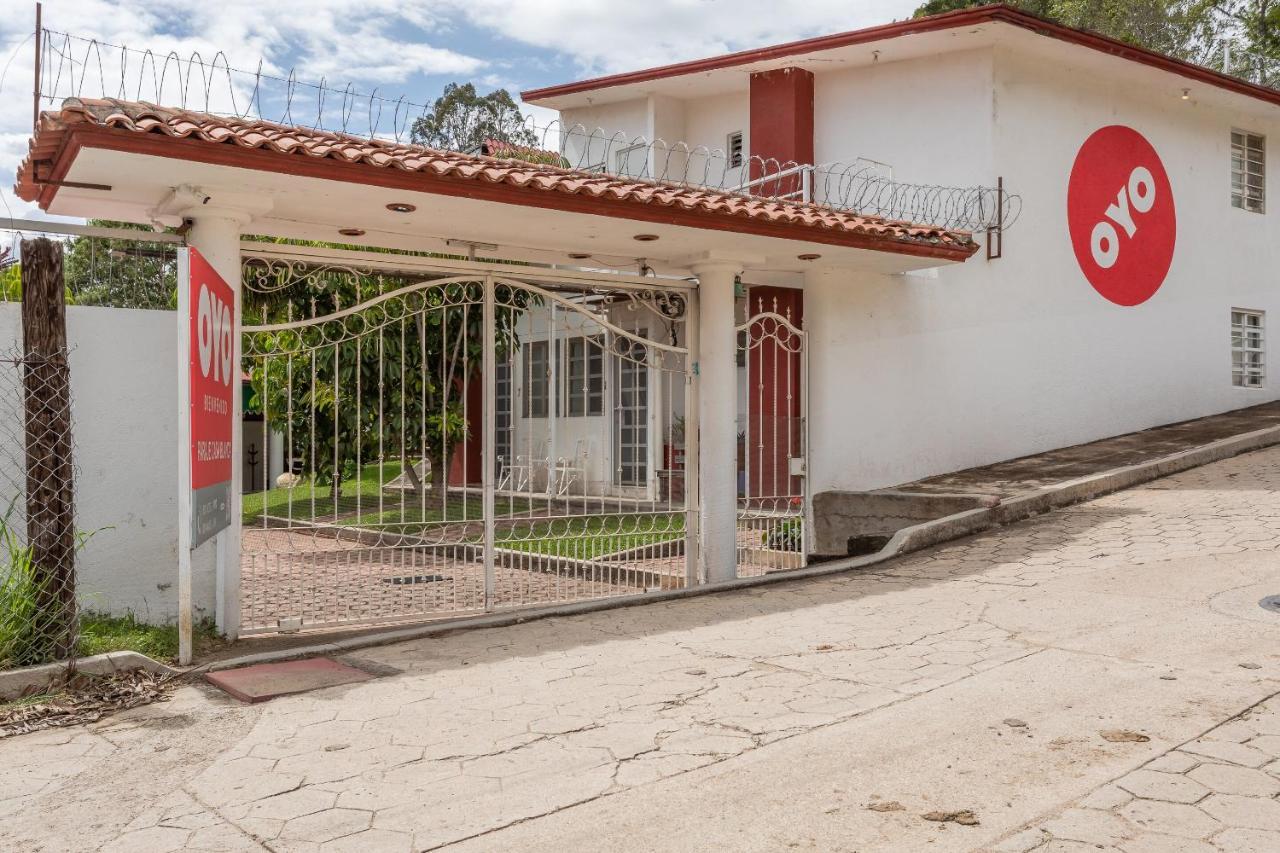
point(1186, 94)
point(579, 256)
point(351, 232)
point(401, 207)
point(808, 257)
point(645, 238)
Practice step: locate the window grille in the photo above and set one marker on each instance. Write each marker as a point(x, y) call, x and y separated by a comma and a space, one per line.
point(1248, 348)
point(1248, 171)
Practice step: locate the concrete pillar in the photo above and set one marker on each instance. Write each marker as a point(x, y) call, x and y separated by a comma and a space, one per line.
point(215, 234)
point(717, 418)
point(825, 295)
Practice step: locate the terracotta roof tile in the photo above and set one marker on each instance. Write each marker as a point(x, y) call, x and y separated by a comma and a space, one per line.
point(255, 134)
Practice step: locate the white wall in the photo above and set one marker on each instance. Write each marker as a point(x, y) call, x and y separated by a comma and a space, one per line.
point(997, 359)
point(929, 119)
point(125, 419)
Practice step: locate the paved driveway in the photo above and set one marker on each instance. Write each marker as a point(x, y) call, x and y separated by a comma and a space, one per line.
point(1075, 681)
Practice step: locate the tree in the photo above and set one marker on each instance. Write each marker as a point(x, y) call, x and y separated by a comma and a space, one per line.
point(1178, 28)
point(462, 120)
point(1248, 33)
point(121, 273)
point(1043, 8)
point(407, 357)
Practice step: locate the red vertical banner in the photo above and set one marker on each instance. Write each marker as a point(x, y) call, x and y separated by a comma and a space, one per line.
point(214, 379)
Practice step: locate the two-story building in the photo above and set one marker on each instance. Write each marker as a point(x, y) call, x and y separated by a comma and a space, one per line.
point(1129, 287)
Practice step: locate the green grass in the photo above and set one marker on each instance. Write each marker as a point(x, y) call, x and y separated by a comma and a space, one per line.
point(592, 536)
point(100, 633)
point(582, 537)
point(276, 501)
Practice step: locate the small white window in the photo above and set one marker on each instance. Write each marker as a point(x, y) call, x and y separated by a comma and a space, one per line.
point(733, 149)
point(1248, 171)
point(632, 161)
point(1248, 348)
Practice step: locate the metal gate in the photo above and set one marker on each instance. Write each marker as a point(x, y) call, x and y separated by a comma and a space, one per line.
point(772, 441)
point(427, 438)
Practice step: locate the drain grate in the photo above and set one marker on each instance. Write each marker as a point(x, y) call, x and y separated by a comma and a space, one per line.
point(1271, 602)
point(409, 580)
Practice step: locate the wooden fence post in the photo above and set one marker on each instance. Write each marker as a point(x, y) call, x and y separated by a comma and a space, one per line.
point(51, 533)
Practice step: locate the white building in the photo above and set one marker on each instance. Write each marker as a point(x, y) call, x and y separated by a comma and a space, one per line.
point(817, 306)
point(919, 374)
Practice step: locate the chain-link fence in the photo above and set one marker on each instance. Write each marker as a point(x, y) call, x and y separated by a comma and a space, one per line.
point(38, 538)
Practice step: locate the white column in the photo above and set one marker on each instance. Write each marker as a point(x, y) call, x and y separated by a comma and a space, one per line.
point(825, 291)
point(718, 418)
point(216, 235)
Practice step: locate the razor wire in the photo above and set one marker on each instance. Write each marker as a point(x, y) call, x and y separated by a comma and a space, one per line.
point(39, 619)
point(79, 67)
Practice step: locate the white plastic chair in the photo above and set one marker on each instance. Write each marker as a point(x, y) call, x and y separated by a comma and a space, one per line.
point(570, 471)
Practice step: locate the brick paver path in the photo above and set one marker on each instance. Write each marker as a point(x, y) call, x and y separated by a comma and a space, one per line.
point(1217, 792)
point(765, 719)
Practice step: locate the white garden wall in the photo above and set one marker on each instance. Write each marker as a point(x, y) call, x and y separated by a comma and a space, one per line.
point(124, 399)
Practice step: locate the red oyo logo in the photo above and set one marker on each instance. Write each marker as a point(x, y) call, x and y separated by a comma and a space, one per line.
point(1120, 210)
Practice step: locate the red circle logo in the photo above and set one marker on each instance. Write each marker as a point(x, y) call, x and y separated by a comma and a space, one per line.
point(1121, 214)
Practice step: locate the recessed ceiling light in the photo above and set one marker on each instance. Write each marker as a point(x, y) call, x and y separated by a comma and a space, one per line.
point(1186, 94)
point(579, 256)
point(351, 232)
point(401, 207)
point(808, 257)
point(645, 238)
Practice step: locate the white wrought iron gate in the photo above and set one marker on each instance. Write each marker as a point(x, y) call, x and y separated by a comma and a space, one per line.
point(772, 440)
point(445, 439)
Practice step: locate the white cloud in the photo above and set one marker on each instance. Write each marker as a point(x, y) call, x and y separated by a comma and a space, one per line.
point(378, 43)
point(364, 41)
point(605, 37)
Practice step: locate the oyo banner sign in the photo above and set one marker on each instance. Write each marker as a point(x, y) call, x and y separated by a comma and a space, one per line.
point(1121, 214)
point(214, 382)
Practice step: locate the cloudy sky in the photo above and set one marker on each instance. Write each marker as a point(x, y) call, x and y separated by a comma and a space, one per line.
point(397, 48)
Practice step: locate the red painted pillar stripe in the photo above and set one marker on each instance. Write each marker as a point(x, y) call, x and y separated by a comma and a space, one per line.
point(781, 125)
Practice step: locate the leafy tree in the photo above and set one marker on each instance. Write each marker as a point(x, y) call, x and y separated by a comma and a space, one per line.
point(1248, 32)
point(413, 353)
point(121, 273)
point(1186, 29)
point(463, 120)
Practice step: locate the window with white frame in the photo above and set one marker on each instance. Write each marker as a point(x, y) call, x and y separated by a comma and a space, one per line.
point(584, 377)
point(537, 380)
point(1248, 171)
point(733, 150)
point(1248, 348)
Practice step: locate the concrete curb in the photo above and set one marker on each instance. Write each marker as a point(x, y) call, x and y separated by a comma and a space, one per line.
point(905, 541)
point(16, 683)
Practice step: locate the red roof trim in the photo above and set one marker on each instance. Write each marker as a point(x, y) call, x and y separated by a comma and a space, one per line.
point(144, 129)
point(998, 13)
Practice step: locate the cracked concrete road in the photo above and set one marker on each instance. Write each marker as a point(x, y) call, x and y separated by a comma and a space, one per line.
point(980, 675)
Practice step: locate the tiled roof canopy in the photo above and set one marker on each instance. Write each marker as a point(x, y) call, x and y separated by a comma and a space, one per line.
point(519, 182)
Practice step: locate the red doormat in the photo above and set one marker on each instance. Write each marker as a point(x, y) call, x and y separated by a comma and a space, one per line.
point(265, 681)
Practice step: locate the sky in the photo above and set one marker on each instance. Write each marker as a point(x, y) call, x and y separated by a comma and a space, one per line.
point(397, 48)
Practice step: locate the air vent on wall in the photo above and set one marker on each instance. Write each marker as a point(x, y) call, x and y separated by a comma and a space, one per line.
point(733, 149)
